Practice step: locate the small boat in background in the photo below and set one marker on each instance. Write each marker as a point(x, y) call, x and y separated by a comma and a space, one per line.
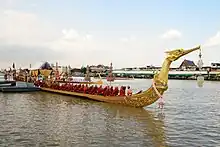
point(20, 87)
point(7, 83)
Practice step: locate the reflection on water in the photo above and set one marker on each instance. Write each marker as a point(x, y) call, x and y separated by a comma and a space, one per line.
point(161, 115)
point(47, 119)
point(190, 118)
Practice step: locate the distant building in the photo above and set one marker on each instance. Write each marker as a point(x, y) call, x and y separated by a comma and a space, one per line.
point(141, 68)
point(62, 69)
point(215, 65)
point(127, 69)
point(99, 68)
point(187, 65)
point(206, 68)
point(46, 65)
point(76, 72)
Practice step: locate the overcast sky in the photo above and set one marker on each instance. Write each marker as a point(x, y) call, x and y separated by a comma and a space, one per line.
point(126, 32)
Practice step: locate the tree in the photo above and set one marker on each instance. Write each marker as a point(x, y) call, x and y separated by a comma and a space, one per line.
point(83, 70)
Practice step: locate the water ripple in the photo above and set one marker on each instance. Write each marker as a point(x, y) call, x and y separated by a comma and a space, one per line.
point(190, 118)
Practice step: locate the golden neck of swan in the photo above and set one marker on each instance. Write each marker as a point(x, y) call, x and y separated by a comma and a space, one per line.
point(163, 74)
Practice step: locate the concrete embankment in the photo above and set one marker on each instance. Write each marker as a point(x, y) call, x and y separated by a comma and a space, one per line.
point(178, 75)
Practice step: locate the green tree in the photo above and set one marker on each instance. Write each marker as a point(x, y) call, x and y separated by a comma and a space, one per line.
point(83, 70)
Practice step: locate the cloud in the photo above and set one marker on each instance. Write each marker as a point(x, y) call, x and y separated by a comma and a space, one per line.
point(73, 35)
point(128, 39)
point(172, 34)
point(33, 5)
point(70, 34)
point(72, 40)
point(7, 2)
point(10, 3)
point(26, 29)
point(25, 55)
point(213, 41)
point(26, 36)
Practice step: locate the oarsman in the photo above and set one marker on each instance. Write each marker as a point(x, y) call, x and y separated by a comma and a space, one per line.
point(129, 91)
point(122, 91)
point(100, 90)
point(116, 91)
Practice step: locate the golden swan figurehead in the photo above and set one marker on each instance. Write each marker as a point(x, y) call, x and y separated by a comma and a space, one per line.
point(177, 53)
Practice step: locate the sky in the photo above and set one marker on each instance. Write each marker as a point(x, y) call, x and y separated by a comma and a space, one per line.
point(90, 32)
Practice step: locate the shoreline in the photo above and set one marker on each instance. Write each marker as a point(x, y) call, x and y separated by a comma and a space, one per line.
point(206, 78)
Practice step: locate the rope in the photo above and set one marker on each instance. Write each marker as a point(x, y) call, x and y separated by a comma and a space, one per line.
point(161, 100)
point(155, 89)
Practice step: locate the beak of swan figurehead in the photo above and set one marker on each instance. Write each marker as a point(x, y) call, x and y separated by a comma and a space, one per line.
point(185, 52)
point(176, 54)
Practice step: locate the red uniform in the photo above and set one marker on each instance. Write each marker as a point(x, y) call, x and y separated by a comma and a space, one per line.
point(107, 92)
point(81, 88)
point(100, 90)
point(84, 89)
point(115, 92)
point(90, 89)
point(111, 91)
point(95, 90)
point(122, 91)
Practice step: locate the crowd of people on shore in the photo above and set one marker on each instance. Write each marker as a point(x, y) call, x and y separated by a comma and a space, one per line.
point(88, 89)
point(10, 76)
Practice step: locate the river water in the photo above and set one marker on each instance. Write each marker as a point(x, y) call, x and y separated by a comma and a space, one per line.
point(191, 117)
